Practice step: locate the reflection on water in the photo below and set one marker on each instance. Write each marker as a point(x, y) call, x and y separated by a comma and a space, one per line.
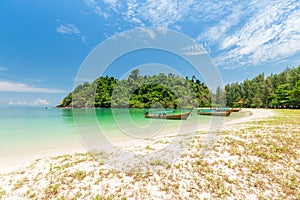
point(67, 116)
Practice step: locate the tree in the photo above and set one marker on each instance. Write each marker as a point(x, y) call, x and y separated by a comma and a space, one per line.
point(220, 97)
point(295, 94)
point(275, 90)
point(139, 92)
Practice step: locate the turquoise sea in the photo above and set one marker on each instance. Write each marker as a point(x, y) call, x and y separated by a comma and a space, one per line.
point(38, 131)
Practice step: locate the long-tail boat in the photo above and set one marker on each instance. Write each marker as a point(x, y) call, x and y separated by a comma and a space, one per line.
point(166, 115)
point(235, 109)
point(214, 112)
point(226, 109)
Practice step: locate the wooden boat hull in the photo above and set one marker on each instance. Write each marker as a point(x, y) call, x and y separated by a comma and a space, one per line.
point(218, 113)
point(182, 116)
point(235, 109)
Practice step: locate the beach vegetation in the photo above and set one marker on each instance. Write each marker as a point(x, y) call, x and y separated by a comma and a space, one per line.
point(177, 166)
point(156, 162)
point(148, 148)
point(32, 195)
point(51, 172)
point(276, 91)
point(104, 197)
point(2, 193)
point(78, 174)
point(137, 91)
point(168, 166)
point(20, 183)
point(51, 191)
point(170, 91)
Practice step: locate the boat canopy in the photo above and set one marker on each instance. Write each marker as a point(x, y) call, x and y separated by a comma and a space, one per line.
point(164, 111)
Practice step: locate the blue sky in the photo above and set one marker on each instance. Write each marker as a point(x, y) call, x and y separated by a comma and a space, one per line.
point(44, 42)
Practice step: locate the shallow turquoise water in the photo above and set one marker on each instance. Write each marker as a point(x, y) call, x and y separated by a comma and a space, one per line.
point(32, 129)
point(37, 129)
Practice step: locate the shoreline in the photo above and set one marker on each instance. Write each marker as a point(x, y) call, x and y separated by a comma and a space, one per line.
point(252, 157)
point(13, 163)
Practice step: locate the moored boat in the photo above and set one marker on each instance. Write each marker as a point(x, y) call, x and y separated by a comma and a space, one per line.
point(214, 112)
point(165, 115)
point(235, 109)
point(220, 108)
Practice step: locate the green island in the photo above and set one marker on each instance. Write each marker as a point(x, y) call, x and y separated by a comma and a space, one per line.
point(138, 91)
point(171, 91)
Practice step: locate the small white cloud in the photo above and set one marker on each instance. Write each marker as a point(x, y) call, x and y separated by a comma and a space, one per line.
point(41, 102)
point(145, 33)
point(112, 3)
point(164, 13)
point(149, 33)
point(193, 50)
point(19, 103)
point(37, 102)
point(20, 87)
point(177, 27)
point(83, 39)
point(2, 68)
point(96, 8)
point(70, 29)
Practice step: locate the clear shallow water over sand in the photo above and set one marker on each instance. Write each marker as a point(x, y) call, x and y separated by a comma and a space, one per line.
point(39, 131)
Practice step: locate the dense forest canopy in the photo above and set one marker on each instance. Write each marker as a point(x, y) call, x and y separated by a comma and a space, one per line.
point(167, 91)
point(275, 91)
point(171, 91)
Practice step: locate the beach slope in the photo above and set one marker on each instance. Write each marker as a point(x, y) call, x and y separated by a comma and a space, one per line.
point(255, 157)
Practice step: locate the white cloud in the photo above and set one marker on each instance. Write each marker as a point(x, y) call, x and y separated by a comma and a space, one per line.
point(149, 33)
point(271, 32)
point(217, 33)
point(177, 27)
point(2, 68)
point(193, 50)
point(70, 29)
point(162, 13)
point(237, 33)
point(41, 102)
point(131, 15)
point(112, 3)
point(37, 102)
point(84, 39)
point(20, 87)
point(96, 8)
